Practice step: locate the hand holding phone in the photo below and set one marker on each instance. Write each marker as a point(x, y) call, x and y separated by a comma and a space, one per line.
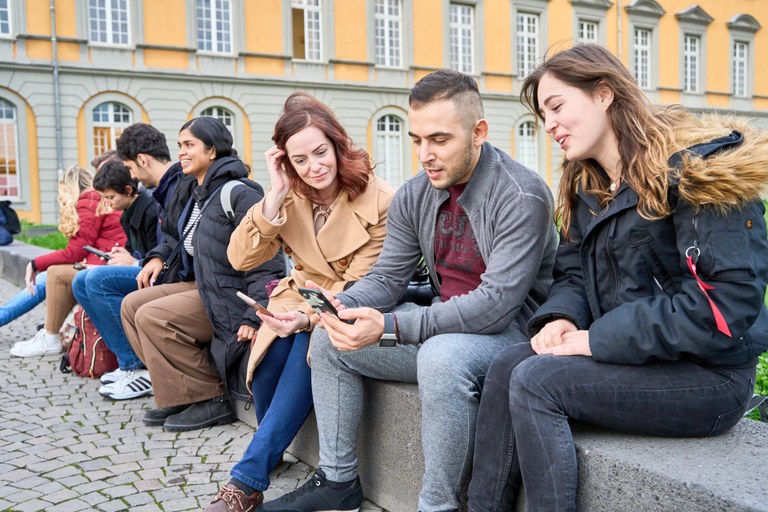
point(100, 254)
point(319, 303)
point(255, 305)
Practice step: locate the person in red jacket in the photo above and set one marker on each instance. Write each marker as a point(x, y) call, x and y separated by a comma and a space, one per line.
point(50, 276)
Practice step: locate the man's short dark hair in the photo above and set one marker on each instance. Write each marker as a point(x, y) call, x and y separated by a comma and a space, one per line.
point(143, 138)
point(116, 176)
point(109, 155)
point(451, 85)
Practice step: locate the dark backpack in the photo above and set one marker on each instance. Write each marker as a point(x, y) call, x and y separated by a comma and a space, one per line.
point(87, 355)
point(12, 223)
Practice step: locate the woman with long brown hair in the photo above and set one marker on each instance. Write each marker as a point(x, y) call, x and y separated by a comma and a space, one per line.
point(327, 210)
point(656, 317)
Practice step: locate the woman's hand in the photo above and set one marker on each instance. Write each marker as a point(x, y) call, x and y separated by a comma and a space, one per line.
point(552, 334)
point(246, 333)
point(285, 323)
point(29, 279)
point(278, 181)
point(149, 273)
point(574, 344)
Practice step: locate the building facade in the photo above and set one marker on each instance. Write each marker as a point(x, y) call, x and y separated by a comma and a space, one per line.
point(65, 99)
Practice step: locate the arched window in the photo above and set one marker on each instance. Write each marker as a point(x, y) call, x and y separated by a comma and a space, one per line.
point(9, 178)
point(389, 149)
point(223, 115)
point(109, 120)
point(525, 147)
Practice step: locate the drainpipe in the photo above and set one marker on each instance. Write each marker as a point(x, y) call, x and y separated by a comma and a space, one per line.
point(56, 93)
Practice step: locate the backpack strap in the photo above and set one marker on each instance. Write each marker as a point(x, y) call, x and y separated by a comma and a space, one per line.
point(225, 195)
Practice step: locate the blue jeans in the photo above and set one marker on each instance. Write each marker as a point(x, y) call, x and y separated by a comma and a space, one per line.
point(100, 291)
point(23, 301)
point(282, 397)
point(522, 427)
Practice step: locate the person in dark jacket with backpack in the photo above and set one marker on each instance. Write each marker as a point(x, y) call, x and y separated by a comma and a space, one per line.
point(656, 316)
point(189, 393)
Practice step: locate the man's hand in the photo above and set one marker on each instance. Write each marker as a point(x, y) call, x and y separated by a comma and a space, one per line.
point(149, 273)
point(120, 256)
point(574, 344)
point(285, 323)
point(552, 334)
point(367, 329)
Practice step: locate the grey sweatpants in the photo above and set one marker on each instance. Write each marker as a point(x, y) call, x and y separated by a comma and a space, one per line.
point(449, 368)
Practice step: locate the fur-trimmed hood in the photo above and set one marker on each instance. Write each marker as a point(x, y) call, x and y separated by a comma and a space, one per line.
point(733, 174)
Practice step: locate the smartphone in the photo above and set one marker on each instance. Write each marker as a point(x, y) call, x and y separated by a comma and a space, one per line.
point(100, 254)
point(255, 305)
point(319, 303)
point(78, 266)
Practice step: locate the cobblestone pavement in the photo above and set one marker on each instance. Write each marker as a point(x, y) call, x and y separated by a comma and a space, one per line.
point(65, 448)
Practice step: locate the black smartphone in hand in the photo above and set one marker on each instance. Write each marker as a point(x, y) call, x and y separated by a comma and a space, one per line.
point(100, 254)
point(319, 303)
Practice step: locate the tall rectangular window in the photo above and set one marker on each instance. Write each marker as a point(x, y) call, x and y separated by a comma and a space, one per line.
point(525, 145)
point(214, 25)
point(462, 28)
point(9, 177)
point(740, 64)
point(307, 29)
point(389, 149)
point(588, 31)
point(108, 21)
point(387, 17)
point(527, 43)
point(691, 63)
point(642, 51)
point(5, 18)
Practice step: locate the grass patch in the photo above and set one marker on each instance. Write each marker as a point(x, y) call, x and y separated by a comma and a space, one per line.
point(52, 240)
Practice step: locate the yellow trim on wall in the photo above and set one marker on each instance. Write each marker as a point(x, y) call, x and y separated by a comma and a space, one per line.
point(38, 49)
point(273, 66)
point(667, 97)
point(499, 83)
point(173, 59)
point(350, 72)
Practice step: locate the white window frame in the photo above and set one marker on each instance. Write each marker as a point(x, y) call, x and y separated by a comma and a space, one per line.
point(13, 120)
point(528, 40)
point(313, 13)
point(223, 114)
point(590, 11)
point(112, 16)
point(740, 53)
point(238, 114)
point(5, 7)
point(388, 33)
point(219, 25)
point(643, 57)
point(462, 37)
point(586, 26)
point(692, 63)
point(389, 147)
point(526, 145)
point(114, 126)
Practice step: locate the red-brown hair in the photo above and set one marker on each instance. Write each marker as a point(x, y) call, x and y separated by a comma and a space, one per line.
point(353, 164)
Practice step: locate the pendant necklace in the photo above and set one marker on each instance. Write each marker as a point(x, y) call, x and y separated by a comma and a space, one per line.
point(615, 184)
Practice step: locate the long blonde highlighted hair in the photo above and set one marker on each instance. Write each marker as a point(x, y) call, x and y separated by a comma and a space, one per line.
point(73, 182)
point(645, 134)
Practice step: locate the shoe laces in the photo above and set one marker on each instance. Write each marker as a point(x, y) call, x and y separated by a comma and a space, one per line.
point(310, 485)
point(231, 496)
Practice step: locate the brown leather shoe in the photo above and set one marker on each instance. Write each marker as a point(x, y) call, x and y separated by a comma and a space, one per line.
point(231, 499)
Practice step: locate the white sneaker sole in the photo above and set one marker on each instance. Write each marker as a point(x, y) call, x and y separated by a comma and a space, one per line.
point(46, 352)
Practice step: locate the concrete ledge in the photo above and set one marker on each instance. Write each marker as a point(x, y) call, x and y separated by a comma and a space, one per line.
point(616, 471)
point(14, 258)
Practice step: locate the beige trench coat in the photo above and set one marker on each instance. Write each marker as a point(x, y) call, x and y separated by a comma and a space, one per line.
point(343, 251)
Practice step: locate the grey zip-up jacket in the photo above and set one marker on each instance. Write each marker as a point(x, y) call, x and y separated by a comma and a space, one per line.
point(510, 209)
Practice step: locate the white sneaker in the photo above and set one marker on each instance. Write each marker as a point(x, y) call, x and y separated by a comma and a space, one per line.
point(113, 376)
point(41, 344)
point(134, 384)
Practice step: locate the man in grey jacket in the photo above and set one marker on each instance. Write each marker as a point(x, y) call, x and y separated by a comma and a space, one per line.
point(483, 223)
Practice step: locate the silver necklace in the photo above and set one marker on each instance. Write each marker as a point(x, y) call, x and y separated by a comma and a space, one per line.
point(615, 184)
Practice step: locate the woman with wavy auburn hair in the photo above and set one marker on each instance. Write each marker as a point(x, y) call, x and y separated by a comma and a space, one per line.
point(50, 276)
point(327, 210)
point(656, 316)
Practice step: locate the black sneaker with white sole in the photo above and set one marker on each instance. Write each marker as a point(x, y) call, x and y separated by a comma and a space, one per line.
point(318, 494)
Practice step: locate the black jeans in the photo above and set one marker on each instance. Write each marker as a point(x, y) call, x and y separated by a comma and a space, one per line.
point(522, 426)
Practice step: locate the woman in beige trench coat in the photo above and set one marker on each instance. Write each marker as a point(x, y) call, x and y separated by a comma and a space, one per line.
point(327, 210)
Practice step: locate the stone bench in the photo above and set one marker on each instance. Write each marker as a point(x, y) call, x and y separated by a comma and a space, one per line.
point(616, 471)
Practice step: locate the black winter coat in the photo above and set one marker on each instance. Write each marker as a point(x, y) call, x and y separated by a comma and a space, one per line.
point(216, 280)
point(140, 224)
point(627, 279)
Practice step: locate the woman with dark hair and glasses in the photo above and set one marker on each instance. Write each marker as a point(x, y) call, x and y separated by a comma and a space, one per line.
point(169, 326)
point(656, 316)
point(327, 209)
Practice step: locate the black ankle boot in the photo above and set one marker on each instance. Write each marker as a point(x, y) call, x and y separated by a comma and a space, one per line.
point(216, 411)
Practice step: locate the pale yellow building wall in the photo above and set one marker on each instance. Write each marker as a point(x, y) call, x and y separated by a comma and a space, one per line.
point(165, 23)
point(427, 44)
point(349, 27)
